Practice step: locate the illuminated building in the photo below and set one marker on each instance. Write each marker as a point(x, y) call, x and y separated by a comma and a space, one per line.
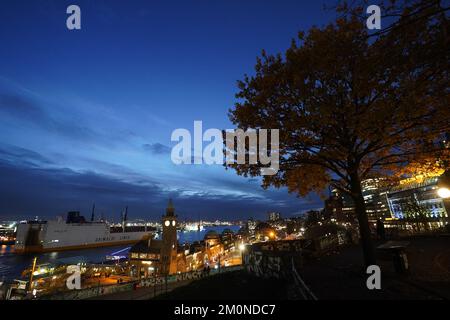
point(153, 256)
point(375, 197)
point(227, 239)
point(165, 256)
point(341, 206)
point(411, 198)
point(213, 244)
point(7, 232)
point(421, 196)
point(274, 216)
point(334, 210)
point(251, 225)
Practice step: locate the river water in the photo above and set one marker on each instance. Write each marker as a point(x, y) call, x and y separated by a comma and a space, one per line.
point(12, 265)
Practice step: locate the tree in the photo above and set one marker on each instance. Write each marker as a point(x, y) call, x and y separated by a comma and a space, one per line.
point(350, 106)
point(313, 217)
point(415, 212)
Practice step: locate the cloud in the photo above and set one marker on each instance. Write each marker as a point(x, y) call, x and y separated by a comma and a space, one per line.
point(156, 148)
point(21, 107)
point(27, 191)
point(25, 157)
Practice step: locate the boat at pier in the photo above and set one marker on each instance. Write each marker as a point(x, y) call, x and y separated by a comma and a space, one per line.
point(75, 233)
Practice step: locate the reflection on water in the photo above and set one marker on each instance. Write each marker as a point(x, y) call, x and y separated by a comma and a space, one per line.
point(12, 265)
point(192, 236)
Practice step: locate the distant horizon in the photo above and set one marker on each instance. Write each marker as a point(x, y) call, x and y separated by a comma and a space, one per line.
point(110, 218)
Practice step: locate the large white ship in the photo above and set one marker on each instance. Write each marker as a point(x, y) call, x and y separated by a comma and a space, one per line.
point(74, 233)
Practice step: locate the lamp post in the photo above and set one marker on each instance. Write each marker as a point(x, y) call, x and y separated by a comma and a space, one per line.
point(242, 249)
point(33, 269)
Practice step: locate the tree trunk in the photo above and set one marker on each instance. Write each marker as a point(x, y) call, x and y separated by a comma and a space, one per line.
point(364, 230)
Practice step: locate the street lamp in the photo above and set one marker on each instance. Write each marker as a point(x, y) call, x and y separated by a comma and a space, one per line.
point(444, 192)
point(444, 185)
point(242, 250)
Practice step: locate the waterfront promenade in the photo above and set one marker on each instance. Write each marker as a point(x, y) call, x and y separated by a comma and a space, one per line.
point(338, 275)
point(147, 291)
point(143, 293)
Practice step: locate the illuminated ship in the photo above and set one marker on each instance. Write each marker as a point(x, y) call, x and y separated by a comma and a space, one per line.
point(75, 233)
point(193, 227)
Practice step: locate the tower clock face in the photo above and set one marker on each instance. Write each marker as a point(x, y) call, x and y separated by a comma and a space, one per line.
point(167, 223)
point(173, 223)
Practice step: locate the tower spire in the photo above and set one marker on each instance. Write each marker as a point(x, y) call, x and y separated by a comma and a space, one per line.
point(170, 210)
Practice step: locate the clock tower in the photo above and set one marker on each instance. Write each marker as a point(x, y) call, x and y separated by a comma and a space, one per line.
point(169, 240)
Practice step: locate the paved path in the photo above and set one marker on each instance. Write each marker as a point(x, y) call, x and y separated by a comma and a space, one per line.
point(143, 293)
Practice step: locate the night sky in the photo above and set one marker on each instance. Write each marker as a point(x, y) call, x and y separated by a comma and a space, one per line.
point(86, 116)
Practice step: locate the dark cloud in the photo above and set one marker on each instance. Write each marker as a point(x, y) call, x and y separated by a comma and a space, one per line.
point(21, 107)
point(25, 192)
point(156, 148)
point(25, 157)
point(31, 184)
point(47, 192)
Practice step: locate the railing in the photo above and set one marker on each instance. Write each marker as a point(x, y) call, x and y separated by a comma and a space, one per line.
point(89, 292)
point(269, 261)
point(192, 275)
point(300, 285)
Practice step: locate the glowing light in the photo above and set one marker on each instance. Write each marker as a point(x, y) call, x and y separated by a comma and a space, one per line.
point(167, 223)
point(122, 250)
point(242, 247)
point(444, 193)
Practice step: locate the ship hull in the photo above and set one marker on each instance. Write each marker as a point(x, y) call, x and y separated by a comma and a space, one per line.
point(40, 249)
point(60, 236)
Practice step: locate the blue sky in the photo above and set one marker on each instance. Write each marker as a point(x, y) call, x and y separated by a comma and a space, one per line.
point(86, 116)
